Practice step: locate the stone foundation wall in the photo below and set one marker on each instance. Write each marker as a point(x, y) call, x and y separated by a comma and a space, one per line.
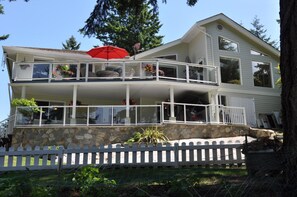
point(105, 135)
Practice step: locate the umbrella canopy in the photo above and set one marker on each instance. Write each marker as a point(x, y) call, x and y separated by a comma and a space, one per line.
point(108, 52)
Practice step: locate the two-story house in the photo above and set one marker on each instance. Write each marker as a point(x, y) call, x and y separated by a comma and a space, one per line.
point(218, 73)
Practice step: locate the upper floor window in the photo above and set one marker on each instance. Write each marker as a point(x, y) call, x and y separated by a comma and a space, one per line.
point(227, 45)
point(230, 71)
point(169, 57)
point(262, 74)
point(253, 52)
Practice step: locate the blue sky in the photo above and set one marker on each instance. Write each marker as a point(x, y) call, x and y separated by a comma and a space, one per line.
point(48, 23)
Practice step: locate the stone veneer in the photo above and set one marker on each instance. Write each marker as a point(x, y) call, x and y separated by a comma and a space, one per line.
point(48, 136)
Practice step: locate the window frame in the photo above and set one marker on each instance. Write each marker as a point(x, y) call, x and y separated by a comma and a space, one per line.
point(271, 74)
point(239, 66)
point(237, 43)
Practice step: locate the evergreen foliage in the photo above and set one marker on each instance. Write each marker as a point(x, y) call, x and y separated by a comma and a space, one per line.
point(259, 31)
point(71, 44)
point(125, 28)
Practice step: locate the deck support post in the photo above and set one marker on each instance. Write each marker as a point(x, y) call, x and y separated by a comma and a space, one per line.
point(23, 94)
point(74, 101)
point(127, 119)
point(172, 117)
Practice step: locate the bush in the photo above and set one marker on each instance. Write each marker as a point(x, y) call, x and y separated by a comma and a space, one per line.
point(90, 182)
point(149, 135)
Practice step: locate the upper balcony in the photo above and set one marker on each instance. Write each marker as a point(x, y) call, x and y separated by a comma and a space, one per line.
point(123, 70)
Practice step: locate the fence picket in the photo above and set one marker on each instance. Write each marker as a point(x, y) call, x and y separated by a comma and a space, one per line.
point(183, 153)
point(214, 153)
point(222, 154)
point(36, 157)
point(159, 153)
point(2, 156)
point(191, 153)
point(118, 155)
point(126, 154)
point(199, 154)
point(85, 155)
point(101, 155)
point(28, 157)
point(19, 157)
point(206, 161)
point(109, 154)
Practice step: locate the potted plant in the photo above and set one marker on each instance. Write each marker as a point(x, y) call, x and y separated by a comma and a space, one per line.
point(27, 108)
point(62, 70)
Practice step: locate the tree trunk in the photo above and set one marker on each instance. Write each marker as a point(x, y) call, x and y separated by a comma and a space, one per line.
point(288, 67)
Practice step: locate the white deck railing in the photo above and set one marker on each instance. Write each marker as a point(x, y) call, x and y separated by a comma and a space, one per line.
point(116, 115)
point(173, 155)
point(124, 70)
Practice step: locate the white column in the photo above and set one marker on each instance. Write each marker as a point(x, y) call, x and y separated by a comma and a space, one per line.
point(127, 120)
point(172, 115)
point(74, 100)
point(23, 93)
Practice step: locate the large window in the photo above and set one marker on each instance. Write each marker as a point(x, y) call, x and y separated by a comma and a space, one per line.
point(262, 74)
point(230, 72)
point(227, 45)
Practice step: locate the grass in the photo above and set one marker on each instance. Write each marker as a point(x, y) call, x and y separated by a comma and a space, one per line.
point(14, 161)
point(194, 181)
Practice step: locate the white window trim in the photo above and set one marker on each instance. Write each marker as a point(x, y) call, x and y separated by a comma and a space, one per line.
point(264, 54)
point(174, 54)
point(271, 74)
point(238, 46)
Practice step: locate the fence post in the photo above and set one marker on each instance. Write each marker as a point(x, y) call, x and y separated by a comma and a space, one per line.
point(60, 158)
point(176, 159)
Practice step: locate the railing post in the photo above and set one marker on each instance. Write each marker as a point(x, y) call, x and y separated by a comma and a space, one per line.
point(124, 71)
point(64, 115)
point(40, 116)
point(88, 115)
point(187, 73)
point(185, 114)
point(50, 74)
point(244, 116)
point(157, 71)
point(112, 116)
point(136, 121)
point(206, 114)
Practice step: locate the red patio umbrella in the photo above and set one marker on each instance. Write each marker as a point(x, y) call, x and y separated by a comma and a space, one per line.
point(108, 52)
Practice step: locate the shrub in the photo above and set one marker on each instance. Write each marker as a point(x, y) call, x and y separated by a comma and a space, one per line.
point(26, 102)
point(150, 135)
point(89, 181)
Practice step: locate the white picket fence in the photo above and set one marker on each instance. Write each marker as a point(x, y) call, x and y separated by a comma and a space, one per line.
point(173, 155)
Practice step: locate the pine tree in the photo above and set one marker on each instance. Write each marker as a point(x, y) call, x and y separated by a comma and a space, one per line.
point(71, 44)
point(125, 28)
point(3, 37)
point(259, 31)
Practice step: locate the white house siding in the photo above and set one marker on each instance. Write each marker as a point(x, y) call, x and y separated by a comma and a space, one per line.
point(197, 49)
point(264, 104)
point(244, 56)
point(267, 100)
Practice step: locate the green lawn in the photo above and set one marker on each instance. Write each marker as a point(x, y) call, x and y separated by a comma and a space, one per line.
point(14, 161)
point(130, 181)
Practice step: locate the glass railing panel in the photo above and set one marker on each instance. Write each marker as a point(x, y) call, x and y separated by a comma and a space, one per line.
point(171, 71)
point(100, 115)
point(52, 115)
point(64, 71)
point(148, 114)
point(24, 116)
point(119, 115)
point(133, 70)
point(196, 113)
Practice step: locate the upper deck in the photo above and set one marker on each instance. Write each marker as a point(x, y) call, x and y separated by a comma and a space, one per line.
point(109, 71)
